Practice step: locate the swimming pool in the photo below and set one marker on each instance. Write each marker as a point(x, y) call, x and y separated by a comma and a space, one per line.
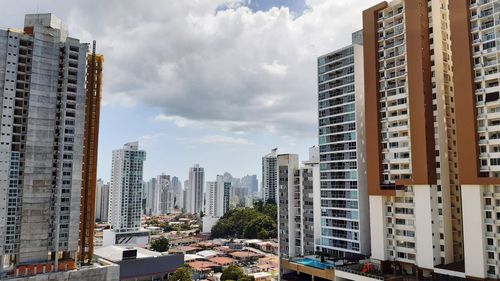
point(313, 263)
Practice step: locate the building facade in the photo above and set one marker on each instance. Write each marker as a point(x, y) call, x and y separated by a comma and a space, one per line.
point(344, 198)
point(270, 176)
point(43, 117)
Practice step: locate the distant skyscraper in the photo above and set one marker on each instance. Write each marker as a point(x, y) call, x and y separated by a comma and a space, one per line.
point(165, 195)
point(195, 189)
point(102, 201)
point(217, 197)
point(104, 210)
point(269, 176)
point(177, 193)
point(151, 196)
point(125, 196)
point(185, 196)
point(251, 183)
point(98, 198)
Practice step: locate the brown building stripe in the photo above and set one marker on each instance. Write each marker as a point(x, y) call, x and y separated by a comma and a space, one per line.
point(423, 156)
point(372, 104)
point(465, 99)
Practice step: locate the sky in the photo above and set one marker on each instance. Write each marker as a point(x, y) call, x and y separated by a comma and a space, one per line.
point(214, 82)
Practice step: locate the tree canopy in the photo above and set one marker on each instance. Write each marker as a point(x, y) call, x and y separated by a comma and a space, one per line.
point(252, 223)
point(181, 274)
point(160, 245)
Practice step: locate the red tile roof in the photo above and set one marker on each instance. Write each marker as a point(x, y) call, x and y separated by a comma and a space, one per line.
point(222, 260)
point(202, 265)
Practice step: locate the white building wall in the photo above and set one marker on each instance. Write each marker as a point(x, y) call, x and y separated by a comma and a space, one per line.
point(378, 227)
point(473, 219)
point(427, 246)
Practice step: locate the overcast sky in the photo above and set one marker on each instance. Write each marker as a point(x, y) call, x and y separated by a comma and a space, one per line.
point(214, 82)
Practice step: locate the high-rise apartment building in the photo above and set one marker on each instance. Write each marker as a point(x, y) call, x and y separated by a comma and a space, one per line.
point(270, 176)
point(43, 116)
point(47, 153)
point(475, 33)
point(299, 221)
point(195, 189)
point(125, 197)
point(411, 140)
point(289, 207)
point(217, 197)
point(344, 198)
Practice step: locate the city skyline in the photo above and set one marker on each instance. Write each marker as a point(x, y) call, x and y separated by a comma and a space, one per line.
point(219, 142)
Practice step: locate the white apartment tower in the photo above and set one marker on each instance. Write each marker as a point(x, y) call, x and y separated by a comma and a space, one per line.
point(344, 198)
point(217, 197)
point(126, 188)
point(42, 85)
point(194, 192)
point(270, 176)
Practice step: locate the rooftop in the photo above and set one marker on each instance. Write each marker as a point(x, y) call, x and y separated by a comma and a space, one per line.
point(245, 254)
point(209, 253)
point(202, 265)
point(190, 257)
point(222, 260)
point(115, 253)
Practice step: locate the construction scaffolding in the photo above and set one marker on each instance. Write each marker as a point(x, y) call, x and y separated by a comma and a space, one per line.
point(89, 169)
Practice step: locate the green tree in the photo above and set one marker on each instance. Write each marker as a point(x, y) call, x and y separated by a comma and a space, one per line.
point(160, 245)
point(181, 274)
point(232, 272)
point(260, 227)
point(247, 278)
point(271, 210)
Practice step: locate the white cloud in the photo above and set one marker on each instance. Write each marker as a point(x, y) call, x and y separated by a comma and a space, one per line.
point(275, 68)
point(213, 139)
point(231, 69)
point(224, 140)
